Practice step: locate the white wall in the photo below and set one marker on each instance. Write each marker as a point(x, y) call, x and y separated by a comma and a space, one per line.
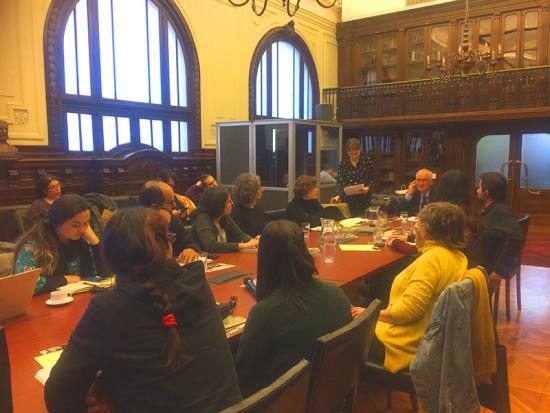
point(225, 37)
point(358, 9)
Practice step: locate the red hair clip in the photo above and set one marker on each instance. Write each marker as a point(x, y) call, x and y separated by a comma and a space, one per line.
point(169, 320)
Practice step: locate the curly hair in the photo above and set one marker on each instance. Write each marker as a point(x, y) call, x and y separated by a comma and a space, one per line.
point(135, 246)
point(245, 188)
point(304, 184)
point(42, 184)
point(446, 223)
point(43, 233)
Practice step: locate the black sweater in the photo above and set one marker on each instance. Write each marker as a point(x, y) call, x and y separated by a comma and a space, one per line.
point(250, 220)
point(122, 334)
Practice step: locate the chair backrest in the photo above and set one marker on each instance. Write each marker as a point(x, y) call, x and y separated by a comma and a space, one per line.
point(20, 218)
point(287, 394)
point(524, 225)
point(6, 405)
point(338, 359)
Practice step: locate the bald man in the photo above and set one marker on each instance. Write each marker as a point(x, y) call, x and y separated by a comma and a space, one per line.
point(418, 193)
point(160, 196)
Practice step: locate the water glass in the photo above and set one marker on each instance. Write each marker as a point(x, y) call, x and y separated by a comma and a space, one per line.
point(379, 239)
point(404, 217)
point(203, 256)
point(329, 246)
point(305, 229)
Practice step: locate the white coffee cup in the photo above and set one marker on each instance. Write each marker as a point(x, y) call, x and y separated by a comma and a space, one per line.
point(59, 297)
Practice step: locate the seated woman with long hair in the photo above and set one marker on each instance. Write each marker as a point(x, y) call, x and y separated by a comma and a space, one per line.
point(247, 190)
point(440, 234)
point(214, 229)
point(157, 336)
point(48, 189)
point(59, 244)
point(293, 309)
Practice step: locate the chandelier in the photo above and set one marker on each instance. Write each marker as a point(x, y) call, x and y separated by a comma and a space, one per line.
point(291, 10)
point(467, 60)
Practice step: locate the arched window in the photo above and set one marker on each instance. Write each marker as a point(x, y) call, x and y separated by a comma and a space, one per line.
point(118, 72)
point(283, 79)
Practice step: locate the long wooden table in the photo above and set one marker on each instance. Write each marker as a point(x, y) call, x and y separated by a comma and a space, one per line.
point(44, 327)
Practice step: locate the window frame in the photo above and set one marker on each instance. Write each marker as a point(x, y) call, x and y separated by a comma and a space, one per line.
point(280, 34)
point(58, 102)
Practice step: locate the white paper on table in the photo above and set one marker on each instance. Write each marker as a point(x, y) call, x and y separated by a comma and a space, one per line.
point(42, 375)
point(75, 288)
point(218, 266)
point(354, 189)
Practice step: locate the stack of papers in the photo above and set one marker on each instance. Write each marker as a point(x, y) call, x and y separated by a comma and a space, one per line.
point(47, 361)
point(233, 325)
point(359, 247)
point(75, 288)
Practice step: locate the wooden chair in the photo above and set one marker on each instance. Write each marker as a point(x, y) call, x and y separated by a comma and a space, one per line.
point(524, 225)
point(401, 381)
point(286, 394)
point(337, 362)
point(6, 405)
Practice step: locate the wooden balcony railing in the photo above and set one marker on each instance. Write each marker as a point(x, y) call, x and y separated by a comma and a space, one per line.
point(510, 89)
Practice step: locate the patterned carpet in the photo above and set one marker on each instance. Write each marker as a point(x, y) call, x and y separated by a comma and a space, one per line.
point(537, 249)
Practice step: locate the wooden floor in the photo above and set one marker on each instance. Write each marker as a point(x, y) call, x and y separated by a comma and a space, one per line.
point(527, 337)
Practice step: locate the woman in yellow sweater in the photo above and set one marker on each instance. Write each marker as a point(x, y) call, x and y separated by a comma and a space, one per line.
point(440, 233)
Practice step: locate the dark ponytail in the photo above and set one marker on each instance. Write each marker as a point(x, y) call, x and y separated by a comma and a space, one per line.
point(135, 246)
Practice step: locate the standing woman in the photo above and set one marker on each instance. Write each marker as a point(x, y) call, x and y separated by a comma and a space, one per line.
point(214, 229)
point(247, 190)
point(48, 189)
point(355, 170)
point(157, 337)
point(59, 244)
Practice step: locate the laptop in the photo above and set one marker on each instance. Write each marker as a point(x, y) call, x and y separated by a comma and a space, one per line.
point(16, 292)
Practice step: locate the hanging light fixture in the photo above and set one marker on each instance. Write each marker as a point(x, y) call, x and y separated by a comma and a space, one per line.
point(467, 60)
point(287, 4)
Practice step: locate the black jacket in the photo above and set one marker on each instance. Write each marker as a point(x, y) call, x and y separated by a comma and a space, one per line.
point(121, 333)
point(251, 220)
point(183, 236)
point(413, 205)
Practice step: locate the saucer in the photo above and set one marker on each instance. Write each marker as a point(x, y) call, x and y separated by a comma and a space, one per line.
point(67, 301)
point(401, 191)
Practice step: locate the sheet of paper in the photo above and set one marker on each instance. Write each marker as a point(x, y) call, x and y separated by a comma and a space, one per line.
point(351, 222)
point(358, 247)
point(42, 375)
point(75, 288)
point(218, 266)
point(354, 189)
point(49, 359)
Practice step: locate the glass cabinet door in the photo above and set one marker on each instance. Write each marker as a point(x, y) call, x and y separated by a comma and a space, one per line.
point(530, 34)
point(484, 36)
point(272, 154)
point(388, 46)
point(510, 41)
point(439, 42)
point(306, 149)
point(415, 54)
point(369, 60)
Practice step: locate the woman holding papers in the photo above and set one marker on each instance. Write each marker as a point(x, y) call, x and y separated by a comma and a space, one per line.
point(157, 337)
point(59, 244)
point(353, 179)
point(293, 309)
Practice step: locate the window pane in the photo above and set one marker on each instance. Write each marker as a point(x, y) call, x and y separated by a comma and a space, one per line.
point(439, 42)
point(82, 48)
point(106, 49)
point(530, 39)
point(73, 131)
point(87, 132)
point(123, 130)
point(154, 51)
point(285, 85)
point(130, 54)
point(275, 79)
point(485, 35)
point(175, 136)
point(183, 136)
point(307, 92)
point(510, 37)
point(259, 90)
point(534, 152)
point(158, 138)
point(145, 131)
point(182, 85)
point(264, 84)
point(296, 85)
point(109, 132)
point(172, 66)
point(491, 152)
point(69, 54)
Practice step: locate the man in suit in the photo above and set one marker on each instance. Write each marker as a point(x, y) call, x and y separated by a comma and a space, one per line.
point(418, 193)
point(160, 196)
point(503, 239)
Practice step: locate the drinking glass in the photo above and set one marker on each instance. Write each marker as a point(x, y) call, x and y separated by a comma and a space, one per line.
point(305, 228)
point(203, 256)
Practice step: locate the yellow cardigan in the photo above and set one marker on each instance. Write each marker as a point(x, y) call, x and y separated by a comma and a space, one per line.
point(413, 295)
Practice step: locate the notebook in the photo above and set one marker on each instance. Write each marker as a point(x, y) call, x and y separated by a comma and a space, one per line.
point(16, 292)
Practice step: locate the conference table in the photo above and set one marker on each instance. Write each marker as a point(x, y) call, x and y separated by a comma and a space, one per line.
point(43, 327)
